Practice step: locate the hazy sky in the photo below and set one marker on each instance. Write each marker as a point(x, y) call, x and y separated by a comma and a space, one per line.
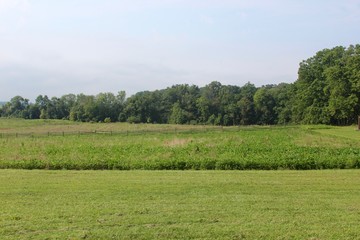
point(56, 47)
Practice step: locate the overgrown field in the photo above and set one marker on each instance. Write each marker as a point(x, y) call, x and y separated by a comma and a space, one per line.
point(58, 145)
point(179, 204)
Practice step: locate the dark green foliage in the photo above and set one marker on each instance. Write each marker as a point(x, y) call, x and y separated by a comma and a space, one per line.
point(178, 115)
point(327, 91)
point(265, 105)
point(17, 107)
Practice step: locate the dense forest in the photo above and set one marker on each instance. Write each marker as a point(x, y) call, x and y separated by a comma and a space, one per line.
point(327, 91)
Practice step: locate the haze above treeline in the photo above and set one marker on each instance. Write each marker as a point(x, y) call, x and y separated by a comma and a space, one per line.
point(327, 91)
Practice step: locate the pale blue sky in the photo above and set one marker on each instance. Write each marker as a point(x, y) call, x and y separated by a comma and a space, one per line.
point(57, 47)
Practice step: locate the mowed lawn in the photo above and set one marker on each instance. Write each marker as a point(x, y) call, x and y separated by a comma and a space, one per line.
point(42, 204)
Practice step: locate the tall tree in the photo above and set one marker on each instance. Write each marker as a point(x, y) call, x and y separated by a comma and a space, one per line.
point(178, 115)
point(17, 107)
point(265, 104)
point(246, 104)
point(327, 89)
point(283, 97)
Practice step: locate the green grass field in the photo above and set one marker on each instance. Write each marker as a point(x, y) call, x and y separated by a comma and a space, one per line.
point(42, 127)
point(57, 145)
point(59, 204)
point(42, 204)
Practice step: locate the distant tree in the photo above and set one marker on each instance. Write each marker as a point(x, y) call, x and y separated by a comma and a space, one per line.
point(105, 106)
point(178, 115)
point(183, 94)
point(43, 114)
point(33, 112)
point(246, 104)
point(17, 107)
point(66, 103)
point(229, 113)
point(84, 109)
point(264, 103)
point(247, 112)
point(203, 107)
point(283, 94)
point(327, 89)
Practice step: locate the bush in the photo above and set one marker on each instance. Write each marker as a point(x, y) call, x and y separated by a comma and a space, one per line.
point(133, 119)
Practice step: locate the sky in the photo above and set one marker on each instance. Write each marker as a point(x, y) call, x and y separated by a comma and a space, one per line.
point(53, 47)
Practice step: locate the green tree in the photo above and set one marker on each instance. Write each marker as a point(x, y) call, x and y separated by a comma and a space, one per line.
point(283, 97)
point(84, 109)
point(145, 107)
point(183, 94)
point(264, 103)
point(228, 97)
point(17, 107)
point(178, 115)
point(43, 114)
point(203, 108)
point(328, 88)
point(247, 112)
point(245, 104)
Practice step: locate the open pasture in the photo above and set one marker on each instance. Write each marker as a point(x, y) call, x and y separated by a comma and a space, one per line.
point(42, 204)
point(38, 127)
point(173, 147)
point(179, 204)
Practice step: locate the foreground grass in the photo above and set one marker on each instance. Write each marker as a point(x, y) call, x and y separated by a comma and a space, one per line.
point(179, 205)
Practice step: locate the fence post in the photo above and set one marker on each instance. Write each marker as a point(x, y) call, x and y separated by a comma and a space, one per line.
point(359, 123)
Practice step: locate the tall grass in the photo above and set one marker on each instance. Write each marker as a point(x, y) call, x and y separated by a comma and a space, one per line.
point(270, 148)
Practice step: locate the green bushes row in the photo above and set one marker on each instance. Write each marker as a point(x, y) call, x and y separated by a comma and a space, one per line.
point(261, 149)
point(292, 163)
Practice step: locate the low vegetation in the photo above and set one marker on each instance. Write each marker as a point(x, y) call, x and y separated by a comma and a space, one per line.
point(179, 204)
point(172, 147)
point(43, 204)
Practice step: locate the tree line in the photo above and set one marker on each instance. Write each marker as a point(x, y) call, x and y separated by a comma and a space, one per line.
point(327, 91)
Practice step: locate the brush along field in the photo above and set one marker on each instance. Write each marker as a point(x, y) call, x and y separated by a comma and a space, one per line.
point(83, 146)
point(285, 204)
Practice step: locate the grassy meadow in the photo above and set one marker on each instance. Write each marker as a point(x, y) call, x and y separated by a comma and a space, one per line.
point(55, 204)
point(179, 204)
point(51, 144)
